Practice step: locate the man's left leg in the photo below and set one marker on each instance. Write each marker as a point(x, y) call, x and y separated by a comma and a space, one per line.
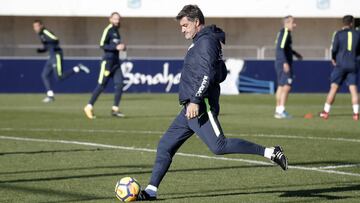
point(354, 101)
point(118, 85)
point(284, 95)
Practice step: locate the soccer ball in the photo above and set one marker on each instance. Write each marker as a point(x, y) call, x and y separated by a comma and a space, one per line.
point(127, 189)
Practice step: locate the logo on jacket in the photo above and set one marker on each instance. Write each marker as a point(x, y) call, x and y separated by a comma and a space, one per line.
point(204, 82)
point(191, 46)
point(116, 41)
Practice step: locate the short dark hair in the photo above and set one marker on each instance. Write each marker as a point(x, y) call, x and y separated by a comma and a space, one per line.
point(284, 20)
point(348, 20)
point(114, 13)
point(192, 12)
point(38, 21)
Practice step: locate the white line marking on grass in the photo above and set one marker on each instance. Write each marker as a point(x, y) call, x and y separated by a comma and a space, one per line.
point(340, 166)
point(178, 154)
point(161, 132)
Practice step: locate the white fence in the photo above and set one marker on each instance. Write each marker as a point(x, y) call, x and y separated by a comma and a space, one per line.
point(165, 51)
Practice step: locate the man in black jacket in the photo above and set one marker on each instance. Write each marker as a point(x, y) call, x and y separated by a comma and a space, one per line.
point(54, 64)
point(111, 43)
point(199, 93)
point(345, 51)
point(283, 66)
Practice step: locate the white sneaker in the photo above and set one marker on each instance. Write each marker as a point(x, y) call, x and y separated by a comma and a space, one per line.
point(283, 115)
point(89, 112)
point(83, 68)
point(117, 114)
point(48, 99)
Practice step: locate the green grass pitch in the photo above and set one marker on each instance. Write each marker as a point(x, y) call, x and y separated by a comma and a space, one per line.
point(51, 167)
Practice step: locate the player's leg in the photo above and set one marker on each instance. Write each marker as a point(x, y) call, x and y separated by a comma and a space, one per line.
point(103, 79)
point(278, 70)
point(46, 79)
point(284, 95)
point(277, 98)
point(285, 82)
point(208, 128)
point(352, 82)
point(118, 90)
point(355, 101)
point(61, 74)
point(337, 77)
point(170, 142)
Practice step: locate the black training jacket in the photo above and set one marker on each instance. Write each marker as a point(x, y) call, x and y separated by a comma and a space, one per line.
point(203, 69)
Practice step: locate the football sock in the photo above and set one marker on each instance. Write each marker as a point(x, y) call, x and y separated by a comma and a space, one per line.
point(50, 93)
point(280, 109)
point(356, 108)
point(89, 106)
point(277, 109)
point(115, 108)
point(151, 190)
point(327, 107)
point(76, 69)
point(268, 152)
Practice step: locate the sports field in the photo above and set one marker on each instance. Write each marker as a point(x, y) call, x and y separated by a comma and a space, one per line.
point(52, 153)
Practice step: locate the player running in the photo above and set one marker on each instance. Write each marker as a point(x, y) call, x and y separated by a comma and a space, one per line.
point(345, 49)
point(110, 67)
point(283, 66)
point(199, 93)
point(54, 64)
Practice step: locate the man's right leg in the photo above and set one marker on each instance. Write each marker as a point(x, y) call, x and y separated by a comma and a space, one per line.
point(337, 78)
point(277, 98)
point(284, 87)
point(171, 141)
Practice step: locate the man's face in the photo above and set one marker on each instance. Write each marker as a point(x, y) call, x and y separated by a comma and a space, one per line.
point(189, 28)
point(37, 27)
point(115, 20)
point(290, 24)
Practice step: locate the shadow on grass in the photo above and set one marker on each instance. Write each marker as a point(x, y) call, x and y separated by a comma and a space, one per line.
point(127, 173)
point(77, 169)
point(319, 193)
point(324, 163)
point(50, 151)
point(49, 192)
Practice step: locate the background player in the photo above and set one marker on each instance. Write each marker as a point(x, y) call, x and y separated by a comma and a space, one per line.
point(54, 64)
point(345, 49)
point(199, 93)
point(110, 66)
point(283, 66)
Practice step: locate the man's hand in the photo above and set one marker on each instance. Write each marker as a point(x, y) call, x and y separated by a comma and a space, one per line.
point(333, 62)
point(40, 50)
point(299, 56)
point(192, 110)
point(121, 47)
point(286, 67)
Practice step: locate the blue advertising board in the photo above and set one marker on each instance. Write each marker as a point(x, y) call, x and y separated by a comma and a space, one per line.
point(150, 75)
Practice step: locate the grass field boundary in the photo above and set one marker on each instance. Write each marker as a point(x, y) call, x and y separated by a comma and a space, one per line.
point(337, 139)
point(91, 144)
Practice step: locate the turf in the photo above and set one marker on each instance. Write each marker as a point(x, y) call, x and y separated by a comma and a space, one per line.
point(62, 172)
